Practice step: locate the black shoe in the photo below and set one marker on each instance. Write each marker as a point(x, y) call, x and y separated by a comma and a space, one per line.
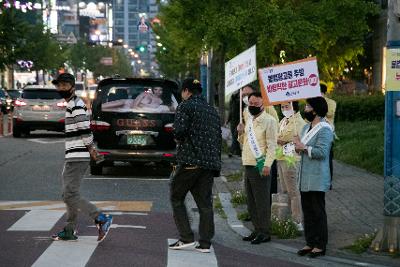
point(304, 251)
point(250, 237)
point(260, 239)
point(315, 254)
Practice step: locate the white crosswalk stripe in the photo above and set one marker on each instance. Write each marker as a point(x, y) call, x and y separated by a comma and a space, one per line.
point(62, 253)
point(190, 257)
point(37, 220)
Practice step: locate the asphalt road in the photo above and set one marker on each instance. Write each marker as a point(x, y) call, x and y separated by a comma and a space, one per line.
point(31, 210)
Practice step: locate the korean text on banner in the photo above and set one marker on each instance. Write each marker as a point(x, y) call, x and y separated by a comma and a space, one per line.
point(240, 70)
point(393, 69)
point(291, 81)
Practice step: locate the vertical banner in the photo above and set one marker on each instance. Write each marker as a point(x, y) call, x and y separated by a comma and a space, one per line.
point(392, 69)
point(240, 70)
point(289, 82)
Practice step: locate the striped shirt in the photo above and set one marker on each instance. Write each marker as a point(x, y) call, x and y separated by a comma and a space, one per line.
point(77, 131)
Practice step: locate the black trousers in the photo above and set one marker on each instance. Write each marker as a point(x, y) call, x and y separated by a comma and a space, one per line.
point(199, 183)
point(258, 200)
point(235, 147)
point(315, 221)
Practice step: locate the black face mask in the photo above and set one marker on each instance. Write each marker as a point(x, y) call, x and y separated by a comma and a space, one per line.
point(254, 110)
point(66, 94)
point(309, 115)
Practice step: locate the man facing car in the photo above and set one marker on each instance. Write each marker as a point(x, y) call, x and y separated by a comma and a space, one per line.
point(197, 130)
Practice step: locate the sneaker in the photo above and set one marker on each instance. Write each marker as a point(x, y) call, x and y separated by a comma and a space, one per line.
point(103, 223)
point(299, 227)
point(65, 235)
point(181, 245)
point(202, 249)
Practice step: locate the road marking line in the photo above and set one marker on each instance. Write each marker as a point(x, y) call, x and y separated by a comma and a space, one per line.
point(139, 206)
point(132, 178)
point(42, 141)
point(37, 220)
point(123, 226)
point(62, 253)
point(127, 213)
point(190, 257)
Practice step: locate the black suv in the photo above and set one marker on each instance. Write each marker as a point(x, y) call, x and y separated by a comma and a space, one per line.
point(132, 121)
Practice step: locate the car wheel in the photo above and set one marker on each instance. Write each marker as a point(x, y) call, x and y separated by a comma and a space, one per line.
point(16, 132)
point(27, 132)
point(96, 169)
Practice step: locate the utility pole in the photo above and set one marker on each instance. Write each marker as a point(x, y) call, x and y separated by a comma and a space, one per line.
point(388, 238)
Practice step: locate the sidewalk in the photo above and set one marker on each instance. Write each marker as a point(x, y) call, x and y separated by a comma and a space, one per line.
point(354, 208)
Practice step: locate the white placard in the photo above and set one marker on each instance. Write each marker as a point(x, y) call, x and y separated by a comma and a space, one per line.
point(240, 70)
point(291, 81)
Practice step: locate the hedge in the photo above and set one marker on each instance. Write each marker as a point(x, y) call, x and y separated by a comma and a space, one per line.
point(360, 108)
point(353, 108)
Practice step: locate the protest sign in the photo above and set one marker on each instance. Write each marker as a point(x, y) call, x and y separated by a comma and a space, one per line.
point(289, 82)
point(240, 70)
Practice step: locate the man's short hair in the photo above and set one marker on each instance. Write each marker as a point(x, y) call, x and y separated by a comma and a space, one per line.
point(251, 86)
point(192, 85)
point(323, 88)
point(255, 94)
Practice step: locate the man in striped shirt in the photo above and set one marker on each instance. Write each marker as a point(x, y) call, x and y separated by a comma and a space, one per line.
point(79, 148)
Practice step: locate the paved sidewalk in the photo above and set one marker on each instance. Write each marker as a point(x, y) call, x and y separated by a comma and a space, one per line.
point(354, 208)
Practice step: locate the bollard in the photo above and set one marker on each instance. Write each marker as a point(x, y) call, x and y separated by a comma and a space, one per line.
point(280, 206)
point(1, 124)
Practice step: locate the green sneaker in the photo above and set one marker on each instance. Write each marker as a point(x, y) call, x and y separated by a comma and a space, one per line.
point(65, 235)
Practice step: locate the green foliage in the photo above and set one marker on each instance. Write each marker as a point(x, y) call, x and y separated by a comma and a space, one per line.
point(361, 144)
point(332, 30)
point(243, 216)
point(358, 108)
point(238, 198)
point(284, 229)
point(235, 177)
point(218, 207)
point(361, 244)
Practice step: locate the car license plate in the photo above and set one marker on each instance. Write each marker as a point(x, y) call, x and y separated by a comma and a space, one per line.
point(41, 108)
point(137, 139)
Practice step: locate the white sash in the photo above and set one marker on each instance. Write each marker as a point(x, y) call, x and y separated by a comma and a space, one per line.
point(251, 136)
point(307, 137)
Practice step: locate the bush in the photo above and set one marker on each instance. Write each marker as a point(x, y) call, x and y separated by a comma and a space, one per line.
point(284, 229)
point(238, 198)
point(359, 108)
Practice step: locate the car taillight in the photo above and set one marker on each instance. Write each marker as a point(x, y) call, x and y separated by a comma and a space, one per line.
point(62, 104)
point(168, 155)
point(169, 127)
point(99, 126)
point(104, 153)
point(20, 103)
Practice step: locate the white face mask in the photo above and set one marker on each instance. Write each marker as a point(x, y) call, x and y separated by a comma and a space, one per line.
point(246, 100)
point(288, 113)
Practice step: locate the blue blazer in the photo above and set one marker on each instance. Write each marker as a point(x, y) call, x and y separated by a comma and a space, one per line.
point(314, 174)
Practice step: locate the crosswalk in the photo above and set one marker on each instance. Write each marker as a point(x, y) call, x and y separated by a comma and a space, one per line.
point(37, 220)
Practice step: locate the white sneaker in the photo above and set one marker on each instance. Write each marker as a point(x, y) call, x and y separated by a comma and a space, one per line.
point(300, 227)
point(181, 245)
point(202, 249)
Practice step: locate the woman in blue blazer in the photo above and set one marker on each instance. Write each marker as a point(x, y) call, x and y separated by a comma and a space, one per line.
point(314, 176)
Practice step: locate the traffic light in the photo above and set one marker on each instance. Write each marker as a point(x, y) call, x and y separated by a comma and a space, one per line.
point(141, 48)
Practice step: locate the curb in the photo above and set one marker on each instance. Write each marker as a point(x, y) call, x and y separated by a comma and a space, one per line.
point(237, 226)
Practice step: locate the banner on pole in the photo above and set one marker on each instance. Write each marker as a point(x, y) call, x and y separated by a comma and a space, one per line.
point(289, 82)
point(240, 70)
point(392, 69)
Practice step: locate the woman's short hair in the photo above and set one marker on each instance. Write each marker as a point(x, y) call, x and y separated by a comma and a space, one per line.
point(319, 105)
point(192, 85)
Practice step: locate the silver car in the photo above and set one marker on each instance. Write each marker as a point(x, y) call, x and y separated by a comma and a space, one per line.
point(38, 108)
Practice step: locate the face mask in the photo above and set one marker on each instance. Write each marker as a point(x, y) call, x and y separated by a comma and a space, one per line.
point(309, 115)
point(246, 100)
point(65, 94)
point(287, 113)
point(254, 110)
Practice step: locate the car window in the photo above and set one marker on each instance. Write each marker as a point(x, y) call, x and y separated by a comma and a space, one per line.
point(40, 94)
point(138, 98)
point(14, 93)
